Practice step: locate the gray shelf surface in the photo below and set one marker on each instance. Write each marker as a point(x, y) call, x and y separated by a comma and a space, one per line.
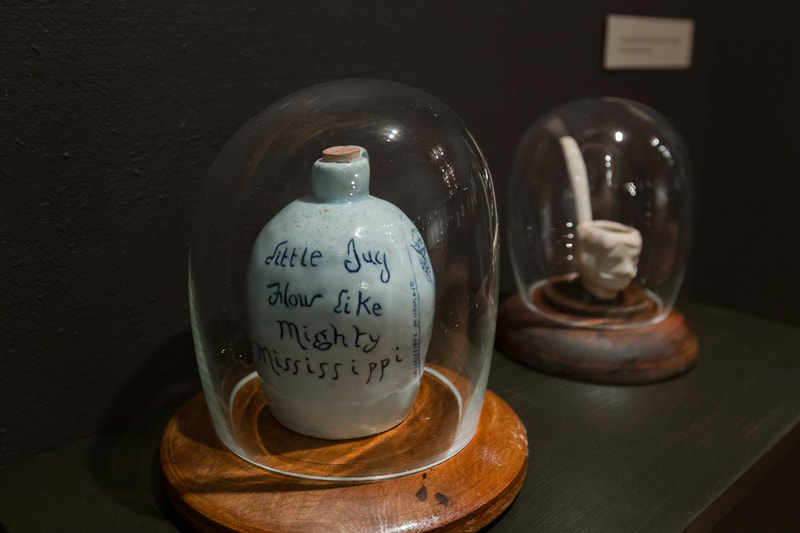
point(669, 456)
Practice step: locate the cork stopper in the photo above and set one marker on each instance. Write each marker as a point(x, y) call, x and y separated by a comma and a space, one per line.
point(341, 154)
point(341, 175)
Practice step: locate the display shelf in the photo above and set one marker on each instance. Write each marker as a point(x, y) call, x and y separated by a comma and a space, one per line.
point(668, 456)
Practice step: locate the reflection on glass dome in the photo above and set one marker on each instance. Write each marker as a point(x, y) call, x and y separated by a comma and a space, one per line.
point(599, 211)
point(421, 160)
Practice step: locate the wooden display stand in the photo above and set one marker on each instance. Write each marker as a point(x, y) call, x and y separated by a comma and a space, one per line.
point(217, 491)
point(617, 356)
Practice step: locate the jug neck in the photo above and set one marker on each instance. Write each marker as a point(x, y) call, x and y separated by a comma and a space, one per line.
point(341, 175)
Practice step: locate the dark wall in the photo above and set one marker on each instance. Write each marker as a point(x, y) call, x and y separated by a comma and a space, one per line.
point(112, 112)
point(746, 254)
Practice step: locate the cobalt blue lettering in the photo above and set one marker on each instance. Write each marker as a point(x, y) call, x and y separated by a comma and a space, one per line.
point(362, 307)
point(373, 365)
point(283, 256)
point(352, 264)
point(353, 259)
point(342, 302)
point(324, 339)
point(376, 370)
point(376, 307)
point(282, 296)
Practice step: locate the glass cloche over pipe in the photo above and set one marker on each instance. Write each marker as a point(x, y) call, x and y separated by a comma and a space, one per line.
point(599, 228)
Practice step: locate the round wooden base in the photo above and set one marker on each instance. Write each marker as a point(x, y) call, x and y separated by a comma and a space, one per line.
point(616, 356)
point(217, 491)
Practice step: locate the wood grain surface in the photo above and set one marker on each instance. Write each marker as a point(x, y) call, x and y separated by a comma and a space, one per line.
point(217, 491)
point(626, 356)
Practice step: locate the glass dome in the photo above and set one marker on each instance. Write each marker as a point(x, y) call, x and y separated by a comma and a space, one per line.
point(343, 303)
point(599, 214)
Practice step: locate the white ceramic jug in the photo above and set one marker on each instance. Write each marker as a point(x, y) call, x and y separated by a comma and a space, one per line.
point(340, 295)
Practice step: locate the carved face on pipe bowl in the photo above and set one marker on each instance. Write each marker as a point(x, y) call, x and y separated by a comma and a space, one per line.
point(608, 257)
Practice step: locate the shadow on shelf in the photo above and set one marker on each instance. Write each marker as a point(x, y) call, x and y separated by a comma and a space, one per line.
point(123, 455)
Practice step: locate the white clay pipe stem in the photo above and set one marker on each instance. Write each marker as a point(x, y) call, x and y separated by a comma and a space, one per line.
point(578, 178)
point(608, 251)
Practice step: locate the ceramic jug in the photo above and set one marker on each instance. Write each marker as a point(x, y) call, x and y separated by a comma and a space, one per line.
point(340, 295)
